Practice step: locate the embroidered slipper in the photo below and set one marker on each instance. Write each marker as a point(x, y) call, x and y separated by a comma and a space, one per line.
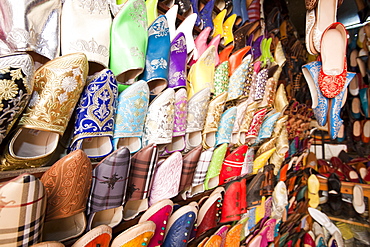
point(179, 124)
point(36, 31)
point(107, 195)
point(23, 206)
point(131, 18)
point(157, 56)
point(237, 79)
point(67, 184)
point(197, 111)
point(166, 179)
point(221, 79)
point(142, 169)
point(226, 125)
point(91, 35)
point(214, 112)
point(158, 125)
point(95, 116)
point(57, 88)
point(201, 74)
point(130, 116)
point(240, 113)
point(16, 73)
point(177, 65)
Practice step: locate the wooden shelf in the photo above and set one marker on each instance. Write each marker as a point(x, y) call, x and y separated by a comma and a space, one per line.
point(347, 188)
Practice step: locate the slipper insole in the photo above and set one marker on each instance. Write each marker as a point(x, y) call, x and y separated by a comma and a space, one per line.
point(332, 52)
point(32, 143)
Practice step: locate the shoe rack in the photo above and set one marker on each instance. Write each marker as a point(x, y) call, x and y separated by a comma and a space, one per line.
point(347, 188)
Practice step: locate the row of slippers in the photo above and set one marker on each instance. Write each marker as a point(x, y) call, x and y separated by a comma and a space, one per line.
point(61, 82)
point(118, 180)
point(167, 224)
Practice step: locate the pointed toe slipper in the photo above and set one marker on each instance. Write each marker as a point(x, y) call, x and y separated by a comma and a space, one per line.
point(157, 56)
point(127, 54)
point(201, 171)
point(190, 161)
point(179, 124)
point(177, 65)
point(143, 164)
point(166, 180)
point(214, 113)
point(158, 125)
point(196, 115)
point(95, 116)
point(201, 74)
point(67, 184)
point(212, 177)
point(92, 34)
point(130, 116)
point(232, 165)
point(226, 125)
point(107, 194)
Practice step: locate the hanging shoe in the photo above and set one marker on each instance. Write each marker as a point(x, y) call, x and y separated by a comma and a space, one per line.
point(221, 79)
point(332, 76)
point(179, 123)
point(201, 171)
point(180, 226)
point(240, 113)
point(241, 34)
point(237, 57)
point(319, 101)
point(228, 30)
point(171, 16)
point(127, 54)
point(57, 88)
point(95, 116)
point(237, 80)
point(231, 204)
point(218, 24)
point(206, 15)
point(186, 27)
point(232, 165)
point(100, 235)
point(159, 213)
